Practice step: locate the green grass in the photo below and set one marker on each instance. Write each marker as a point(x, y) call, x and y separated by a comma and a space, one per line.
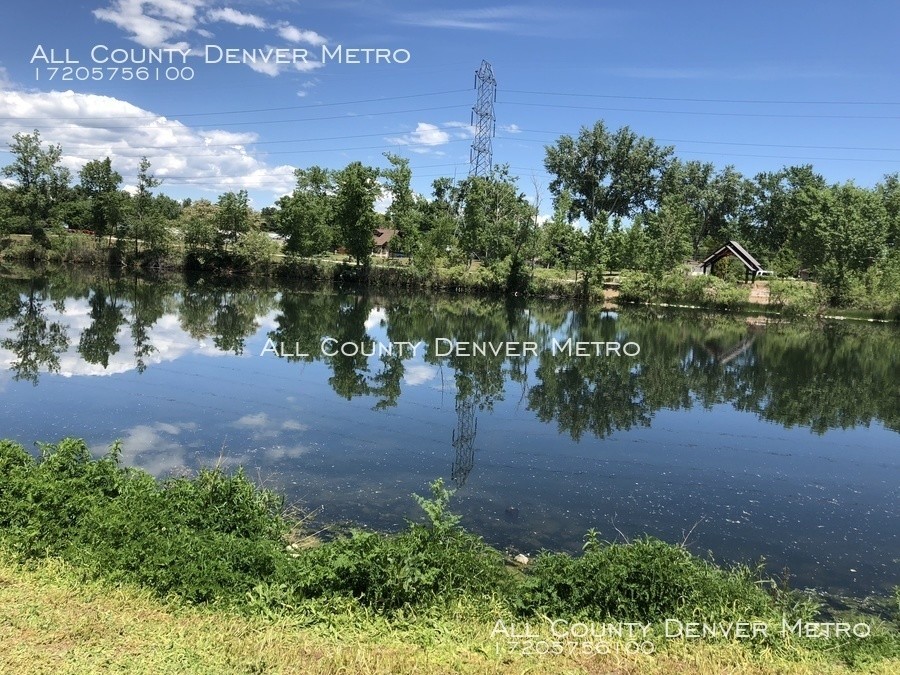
point(209, 574)
point(53, 620)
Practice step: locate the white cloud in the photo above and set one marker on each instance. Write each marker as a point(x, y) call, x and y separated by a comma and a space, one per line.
point(524, 18)
point(257, 421)
point(5, 81)
point(460, 129)
point(419, 374)
point(174, 23)
point(483, 18)
point(427, 137)
point(168, 338)
point(383, 201)
point(88, 126)
point(423, 139)
point(511, 128)
point(377, 317)
point(154, 447)
point(153, 23)
point(229, 15)
point(277, 452)
point(272, 68)
point(294, 34)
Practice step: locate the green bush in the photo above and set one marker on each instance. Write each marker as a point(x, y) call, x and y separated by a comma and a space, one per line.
point(254, 251)
point(677, 287)
point(794, 297)
point(78, 247)
point(435, 563)
point(644, 580)
point(206, 538)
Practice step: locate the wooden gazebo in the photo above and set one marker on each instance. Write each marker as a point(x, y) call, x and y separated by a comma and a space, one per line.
point(752, 268)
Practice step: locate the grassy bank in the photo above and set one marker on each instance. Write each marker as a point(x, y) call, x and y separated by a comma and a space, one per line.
point(210, 573)
point(874, 297)
point(53, 620)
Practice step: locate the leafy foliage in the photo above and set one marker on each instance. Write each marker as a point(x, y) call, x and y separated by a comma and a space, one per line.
point(642, 580)
point(211, 537)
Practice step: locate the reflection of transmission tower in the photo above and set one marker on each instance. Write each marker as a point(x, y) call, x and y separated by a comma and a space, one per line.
point(464, 440)
point(481, 157)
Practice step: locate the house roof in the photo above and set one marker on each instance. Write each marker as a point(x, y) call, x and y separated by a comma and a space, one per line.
point(739, 252)
point(383, 236)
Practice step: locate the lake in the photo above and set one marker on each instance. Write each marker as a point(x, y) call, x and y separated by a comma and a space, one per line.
point(745, 438)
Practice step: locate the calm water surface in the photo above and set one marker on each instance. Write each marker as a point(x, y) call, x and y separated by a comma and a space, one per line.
point(775, 441)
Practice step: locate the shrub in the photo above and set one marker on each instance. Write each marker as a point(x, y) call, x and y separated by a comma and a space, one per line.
point(794, 297)
point(211, 537)
point(644, 580)
point(78, 247)
point(434, 563)
point(254, 250)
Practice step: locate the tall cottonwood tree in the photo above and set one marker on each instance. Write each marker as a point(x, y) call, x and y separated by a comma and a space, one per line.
point(403, 214)
point(354, 212)
point(618, 173)
point(100, 185)
point(233, 217)
point(40, 181)
point(305, 216)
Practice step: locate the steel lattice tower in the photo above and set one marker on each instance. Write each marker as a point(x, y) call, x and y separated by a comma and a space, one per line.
point(481, 155)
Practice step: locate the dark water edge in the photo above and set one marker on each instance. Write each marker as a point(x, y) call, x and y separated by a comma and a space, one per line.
point(757, 437)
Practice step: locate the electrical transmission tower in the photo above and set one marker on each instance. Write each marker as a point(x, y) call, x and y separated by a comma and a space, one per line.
point(481, 156)
point(464, 440)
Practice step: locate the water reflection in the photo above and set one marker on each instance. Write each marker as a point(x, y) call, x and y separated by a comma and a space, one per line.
point(543, 445)
point(34, 342)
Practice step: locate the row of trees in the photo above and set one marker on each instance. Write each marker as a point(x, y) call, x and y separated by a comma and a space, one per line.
point(621, 201)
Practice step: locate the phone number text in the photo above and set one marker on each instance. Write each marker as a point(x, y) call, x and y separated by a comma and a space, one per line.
point(140, 74)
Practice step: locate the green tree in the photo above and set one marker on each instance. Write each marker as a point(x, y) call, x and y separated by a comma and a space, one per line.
point(850, 237)
point(404, 214)
point(783, 204)
point(668, 231)
point(616, 173)
point(354, 213)
point(198, 225)
point(40, 182)
point(719, 202)
point(591, 252)
point(305, 216)
point(100, 184)
point(558, 235)
point(148, 305)
point(146, 224)
point(888, 191)
point(497, 220)
point(233, 218)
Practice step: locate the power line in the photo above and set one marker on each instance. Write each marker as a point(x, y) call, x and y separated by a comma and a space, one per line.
point(449, 125)
point(699, 100)
point(741, 143)
point(150, 115)
point(738, 154)
point(261, 122)
point(701, 112)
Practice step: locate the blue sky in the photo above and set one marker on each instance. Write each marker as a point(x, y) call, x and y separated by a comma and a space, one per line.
point(757, 85)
